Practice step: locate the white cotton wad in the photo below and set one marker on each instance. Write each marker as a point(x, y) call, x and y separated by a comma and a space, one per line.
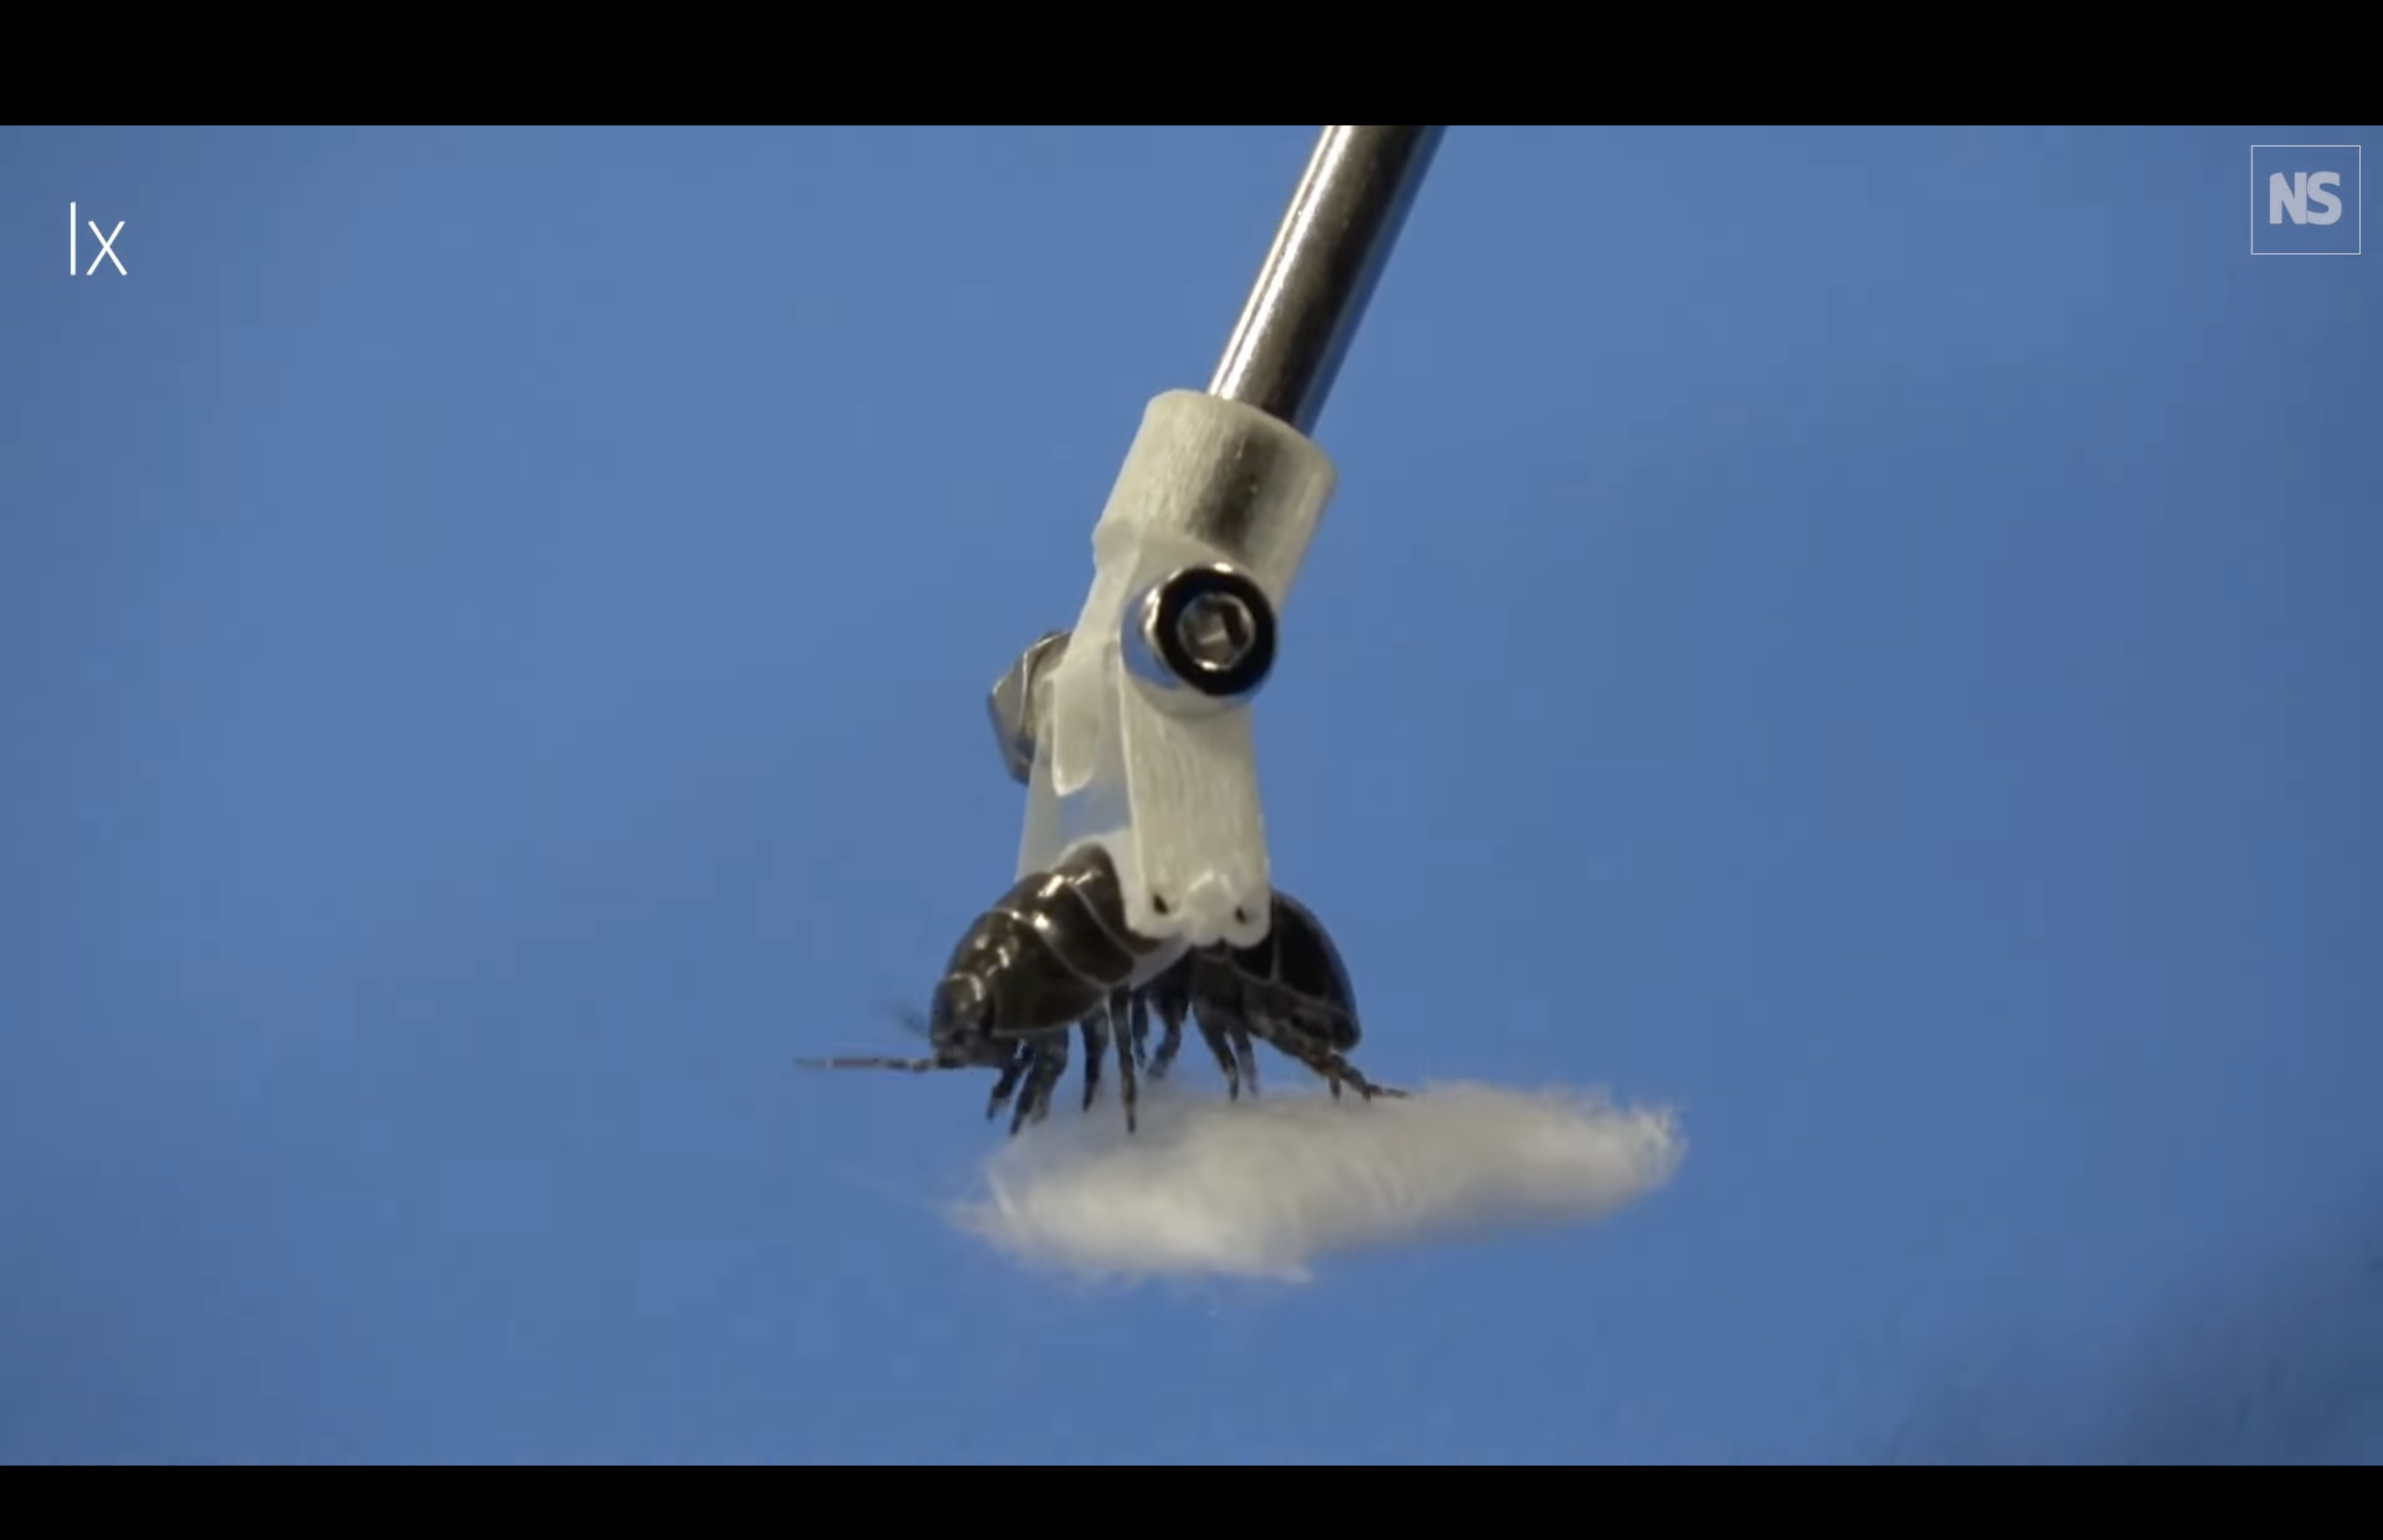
point(1263, 1189)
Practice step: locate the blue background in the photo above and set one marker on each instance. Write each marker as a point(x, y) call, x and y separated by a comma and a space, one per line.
point(1868, 635)
point(2344, 236)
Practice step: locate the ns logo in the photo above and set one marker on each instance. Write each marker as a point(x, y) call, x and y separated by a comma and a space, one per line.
point(2293, 198)
point(2307, 200)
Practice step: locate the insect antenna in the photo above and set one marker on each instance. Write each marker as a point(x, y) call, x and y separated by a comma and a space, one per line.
point(870, 1061)
point(913, 1021)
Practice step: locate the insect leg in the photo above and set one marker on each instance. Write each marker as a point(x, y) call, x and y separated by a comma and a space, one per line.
point(1136, 1009)
point(1229, 1035)
point(1095, 1029)
point(1239, 1034)
point(1170, 1042)
point(1329, 1066)
point(1169, 997)
point(1127, 1086)
point(1050, 1052)
point(1020, 1058)
point(1341, 1070)
point(1213, 1034)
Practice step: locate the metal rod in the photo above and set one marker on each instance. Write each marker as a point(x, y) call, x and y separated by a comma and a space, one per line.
point(1334, 241)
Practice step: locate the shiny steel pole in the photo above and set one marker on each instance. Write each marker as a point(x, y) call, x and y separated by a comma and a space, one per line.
point(1284, 355)
point(1336, 238)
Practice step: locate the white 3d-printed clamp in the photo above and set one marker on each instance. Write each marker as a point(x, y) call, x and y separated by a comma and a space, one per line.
point(1133, 732)
point(1140, 734)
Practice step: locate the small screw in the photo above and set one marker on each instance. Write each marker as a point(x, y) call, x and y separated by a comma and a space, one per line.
point(1217, 631)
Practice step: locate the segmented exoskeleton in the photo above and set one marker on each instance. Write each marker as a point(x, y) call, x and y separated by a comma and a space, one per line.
point(1055, 953)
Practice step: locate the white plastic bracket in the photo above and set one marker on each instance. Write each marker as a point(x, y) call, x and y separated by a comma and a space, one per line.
point(1167, 780)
